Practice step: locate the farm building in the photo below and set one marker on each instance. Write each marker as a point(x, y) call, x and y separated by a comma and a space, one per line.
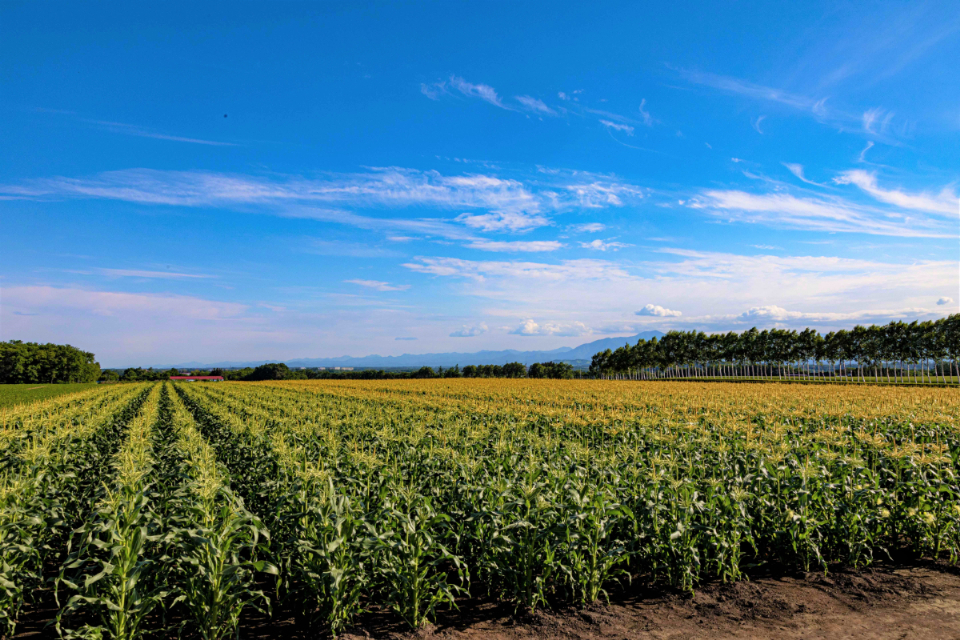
point(197, 378)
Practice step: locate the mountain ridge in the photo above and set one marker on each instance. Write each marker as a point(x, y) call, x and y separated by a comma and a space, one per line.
point(448, 359)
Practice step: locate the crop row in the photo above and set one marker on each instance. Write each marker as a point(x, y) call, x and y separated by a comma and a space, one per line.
point(173, 508)
point(405, 505)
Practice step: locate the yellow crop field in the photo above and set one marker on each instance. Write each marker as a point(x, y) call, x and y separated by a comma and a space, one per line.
point(186, 505)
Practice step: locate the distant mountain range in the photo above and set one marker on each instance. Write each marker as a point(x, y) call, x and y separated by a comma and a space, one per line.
point(563, 354)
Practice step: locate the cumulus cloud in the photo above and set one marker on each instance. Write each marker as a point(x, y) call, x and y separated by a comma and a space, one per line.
point(658, 311)
point(944, 301)
point(530, 327)
point(770, 312)
point(379, 286)
point(469, 331)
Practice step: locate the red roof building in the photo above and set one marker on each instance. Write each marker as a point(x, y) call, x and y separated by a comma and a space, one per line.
point(196, 378)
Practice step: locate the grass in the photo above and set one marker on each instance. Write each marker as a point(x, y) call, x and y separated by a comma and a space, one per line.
point(14, 394)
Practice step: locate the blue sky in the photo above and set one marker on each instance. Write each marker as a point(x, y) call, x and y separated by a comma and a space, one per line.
point(279, 180)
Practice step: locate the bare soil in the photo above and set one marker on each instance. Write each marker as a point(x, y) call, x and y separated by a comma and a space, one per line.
point(884, 602)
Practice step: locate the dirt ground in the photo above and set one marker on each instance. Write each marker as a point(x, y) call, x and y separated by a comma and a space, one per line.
point(886, 602)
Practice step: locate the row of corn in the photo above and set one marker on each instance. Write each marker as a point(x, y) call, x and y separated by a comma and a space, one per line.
point(404, 499)
point(170, 509)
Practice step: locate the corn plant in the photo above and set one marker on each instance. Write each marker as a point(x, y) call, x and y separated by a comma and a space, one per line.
point(410, 562)
point(111, 556)
point(214, 541)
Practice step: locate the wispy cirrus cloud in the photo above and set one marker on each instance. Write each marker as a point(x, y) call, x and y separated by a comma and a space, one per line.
point(587, 227)
point(536, 105)
point(482, 91)
point(617, 126)
point(141, 132)
point(817, 213)
point(141, 273)
point(532, 246)
point(378, 285)
point(494, 203)
point(946, 202)
point(797, 170)
point(604, 245)
point(876, 122)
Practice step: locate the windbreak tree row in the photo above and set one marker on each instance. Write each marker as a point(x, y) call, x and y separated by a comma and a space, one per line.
point(919, 352)
point(408, 509)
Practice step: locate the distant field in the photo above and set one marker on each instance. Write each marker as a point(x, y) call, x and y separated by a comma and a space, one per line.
point(11, 394)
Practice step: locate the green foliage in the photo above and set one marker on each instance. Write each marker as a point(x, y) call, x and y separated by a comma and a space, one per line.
point(33, 363)
point(919, 352)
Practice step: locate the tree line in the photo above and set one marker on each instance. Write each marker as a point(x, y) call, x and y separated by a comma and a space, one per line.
point(280, 371)
point(895, 352)
point(34, 363)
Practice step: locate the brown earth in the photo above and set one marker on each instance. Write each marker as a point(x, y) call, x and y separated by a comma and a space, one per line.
point(886, 602)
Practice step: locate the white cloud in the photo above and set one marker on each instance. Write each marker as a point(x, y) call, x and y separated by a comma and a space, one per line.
point(863, 154)
point(769, 312)
point(588, 227)
point(495, 204)
point(819, 214)
point(535, 105)
point(877, 120)
point(405, 338)
point(944, 202)
point(503, 221)
point(483, 91)
point(618, 127)
point(140, 132)
point(599, 194)
point(139, 273)
point(379, 286)
point(658, 311)
point(44, 299)
point(433, 90)
point(469, 331)
point(600, 245)
point(944, 301)
point(797, 170)
point(711, 289)
point(645, 115)
point(530, 246)
point(756, 124)
point(531, 328)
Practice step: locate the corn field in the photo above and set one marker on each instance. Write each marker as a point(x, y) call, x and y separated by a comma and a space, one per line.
point(163, 509)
